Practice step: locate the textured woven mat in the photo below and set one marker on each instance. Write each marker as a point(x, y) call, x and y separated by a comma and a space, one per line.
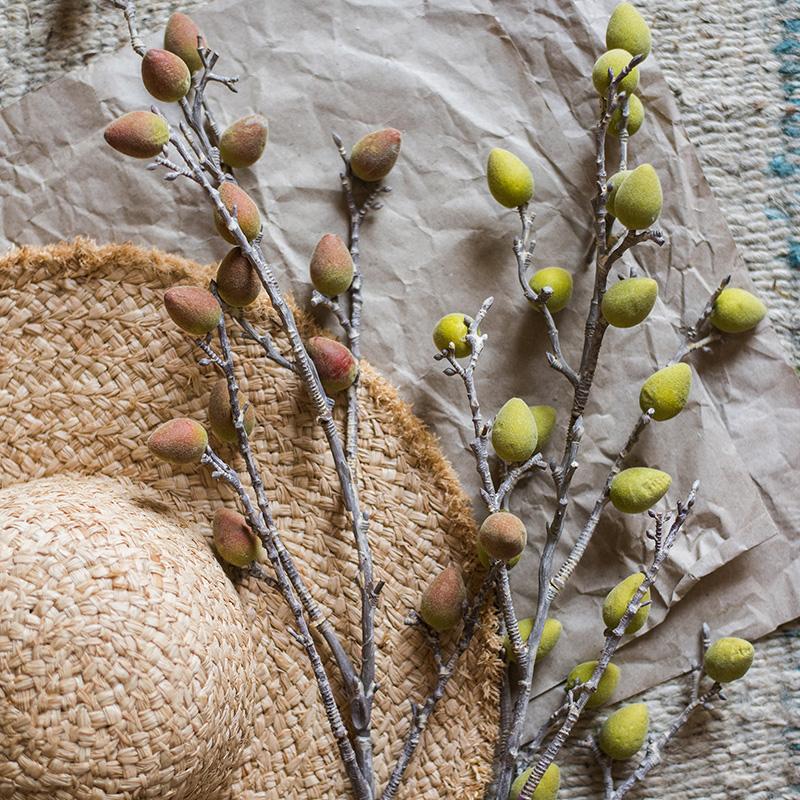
point(740, 106)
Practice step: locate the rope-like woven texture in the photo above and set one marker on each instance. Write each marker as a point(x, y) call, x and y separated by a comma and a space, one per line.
point(91, 364)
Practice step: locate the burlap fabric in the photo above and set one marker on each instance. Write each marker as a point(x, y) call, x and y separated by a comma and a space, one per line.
point(131, 663)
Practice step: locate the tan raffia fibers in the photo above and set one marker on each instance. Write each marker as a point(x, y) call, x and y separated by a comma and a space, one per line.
point(131, 663)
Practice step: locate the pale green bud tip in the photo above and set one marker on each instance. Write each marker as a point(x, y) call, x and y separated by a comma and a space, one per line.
point(635, 117)
point(179, 441)
point(615, 60)
point(737, 310)
point(486, 561)
point(331, 266)
point(639, 199)
point(612, 186)
point(453, 328)
point(628, 30)
point(637, 489)
point(165, 75)
point(545, 417)
point(629, 302)
point(503, 535)
point(514, 434)
point(559, 281)
point(551, 633)
point(233, 539)
point(193, 309)
point(443, 600)
point(243, 142)
point(728, 659)
point(374, 155)
point(510, 180)
point(605, 687)
point(547, 788)
point(666, 391)
point(140, 134)
point(220, 414)
point(625, 731)
point(618, 600)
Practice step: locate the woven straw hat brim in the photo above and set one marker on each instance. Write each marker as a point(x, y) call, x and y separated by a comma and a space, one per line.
point(90, 363)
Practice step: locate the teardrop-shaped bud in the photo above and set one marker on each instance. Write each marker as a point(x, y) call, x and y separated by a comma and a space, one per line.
point(514, 434)
point(238, 283)
point(249, 219)
point(453, 328)
point(335, 364)
point(605, 687)
point(243, 142)
point(546, 790)
point(628, 302)
point(728, 659)
point(627, 30)
point(625, 731)
point(220, 414)
point(615, 60)
point(551, 633)
point(737, 310)
point(233, 539)
point(635, 117)
point(638, 202)
point(182, 37)
point(374, 155)
point(140, 134)
point(193, 309)
point(165, 75)
point(618, 599)
point(179, 441)
point(612, 185)
point(559, 280)
point(510, 180)
point(545, 418)
point(331, 266)
point(443, 600)
point(636, 489)
point(666, 391)
point(503, 535)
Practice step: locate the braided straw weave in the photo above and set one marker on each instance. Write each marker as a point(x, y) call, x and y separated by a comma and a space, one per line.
point(132, 665)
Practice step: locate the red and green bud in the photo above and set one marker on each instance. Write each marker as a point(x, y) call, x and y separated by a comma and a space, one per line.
point(165, 75)
point(246, 213)
point(179, 441)
point(442, 602)
point(374, 155)
point(181, 37)
point(220, 413)
point(336, 365)
point(193, 309)
point(238, 283)
point(140, 134)
point(243, 143)
point(331, 266)
point(233, 539)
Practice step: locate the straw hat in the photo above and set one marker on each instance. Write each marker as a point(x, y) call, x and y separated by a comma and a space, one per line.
point(132, 664)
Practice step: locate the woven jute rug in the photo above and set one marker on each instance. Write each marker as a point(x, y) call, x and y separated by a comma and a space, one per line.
point(131, 663)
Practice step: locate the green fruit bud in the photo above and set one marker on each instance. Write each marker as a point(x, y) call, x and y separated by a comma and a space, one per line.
point(638, 201)
point(636, 489)
point(243, 143)
point(165, 75)
point(443, 601)
point(615, 60)
point(666, 391)
point(233, 539)
point(179, 441)
point(336, 365)
point(193, 309)
point(220, 413)
point(618, 599)
point(331, 266)
point(635, 117)
point(728, 659)
point(737, 310)
point(547, 788)
point(486, 562)
point(551, 633)
point(605, 687)
point(246, 213)
point(559, 280)
point(613, 184)
point(628, 302)
point(545, 418)
point(628, 30)
point(181, 37)
point(238, 283)
point(374, 155)
point(510, 180)
point(514, 433)
point(503, 535)
point(625, 731)
point(140, 134)
point(453, 328)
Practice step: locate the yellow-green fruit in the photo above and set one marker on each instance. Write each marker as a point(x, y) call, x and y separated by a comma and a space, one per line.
point(233, 539)
point(625, 731)
point(374, 155)
point(612, 185)
point(545, 418)
point(547, 788)
point(243, 142)
point(510, 180)
point(503, 535)
point(220, 414)
point(559, 280)
point(728, 659)
point(140, 134)
point(628, 30)
point(336, 365)
point(666, 391)
point(615, 60)
point(179, 441)
point(246, 213)
point(453, 328)
point(637, 204)
point(331, 266)
point(237, 281)
point(193, 309)
point(443, 601)
point(635, 117)
point(737, 310)
point(181, 37)
point(486, 562)
point(514, 433)
point(636, 489)
point(165, 75)
point(551, 633)
point(605, 687)
point(617, 600)
point(628, 302)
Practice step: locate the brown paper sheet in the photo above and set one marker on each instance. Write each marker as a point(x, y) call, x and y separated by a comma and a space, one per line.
point(459, 78)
